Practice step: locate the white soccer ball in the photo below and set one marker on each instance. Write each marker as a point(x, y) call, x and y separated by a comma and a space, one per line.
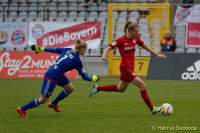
point(167, 109)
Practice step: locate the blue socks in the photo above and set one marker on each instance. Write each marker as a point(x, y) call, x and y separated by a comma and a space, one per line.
point(35, 102)
point(31, 104)
point(61, 96)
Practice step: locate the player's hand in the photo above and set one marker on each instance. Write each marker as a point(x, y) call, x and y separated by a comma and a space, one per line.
point(37, 49)
point(104, 58)
point(95, 78)
point(160, 55)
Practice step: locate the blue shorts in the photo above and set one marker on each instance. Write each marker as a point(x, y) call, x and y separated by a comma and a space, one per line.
point(49, 84)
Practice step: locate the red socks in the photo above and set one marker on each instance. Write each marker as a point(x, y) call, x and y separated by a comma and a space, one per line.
point(112, 87)
point(143, 93)
point(146, 99)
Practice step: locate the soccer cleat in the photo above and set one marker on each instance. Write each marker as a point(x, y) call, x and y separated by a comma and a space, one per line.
point(93, 90)
point(56, 108)
point(156, 110)
point(21, 112)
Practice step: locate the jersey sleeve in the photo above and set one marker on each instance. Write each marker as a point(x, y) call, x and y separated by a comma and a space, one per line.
point(83, 73)
point(140, 42)
point(115, 44)
point(55, 50)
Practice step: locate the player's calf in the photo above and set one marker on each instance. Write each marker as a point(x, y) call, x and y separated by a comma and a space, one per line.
point(121, 90)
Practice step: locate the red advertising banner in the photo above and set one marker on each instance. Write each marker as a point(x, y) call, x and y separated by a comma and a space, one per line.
point(64, 37)
point(18, 64)
point(193, 35)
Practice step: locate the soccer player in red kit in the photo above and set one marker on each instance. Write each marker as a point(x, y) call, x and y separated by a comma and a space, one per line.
point(126, 45)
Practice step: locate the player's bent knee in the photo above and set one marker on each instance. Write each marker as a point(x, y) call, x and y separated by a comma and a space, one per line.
point(69, 90)
point(42, 99)
point(142, 85)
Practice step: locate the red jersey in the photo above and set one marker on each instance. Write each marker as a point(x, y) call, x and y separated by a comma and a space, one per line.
point(126, 48)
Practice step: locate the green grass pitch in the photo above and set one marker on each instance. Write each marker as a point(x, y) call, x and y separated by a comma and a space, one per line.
point(107, 112)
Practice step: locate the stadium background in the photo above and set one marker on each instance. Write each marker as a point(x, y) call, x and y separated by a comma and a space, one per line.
point(155, 17)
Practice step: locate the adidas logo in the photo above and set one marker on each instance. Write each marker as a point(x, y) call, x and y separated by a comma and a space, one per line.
point(193, 72)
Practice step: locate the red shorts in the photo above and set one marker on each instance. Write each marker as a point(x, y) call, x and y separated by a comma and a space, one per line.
point(127, 74)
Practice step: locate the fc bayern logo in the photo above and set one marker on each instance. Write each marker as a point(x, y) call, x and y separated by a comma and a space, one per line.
point(182, 14)
point(18, 37)
point(37, 31)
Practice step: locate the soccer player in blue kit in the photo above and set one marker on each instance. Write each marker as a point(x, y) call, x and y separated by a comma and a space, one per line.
point(69, 59)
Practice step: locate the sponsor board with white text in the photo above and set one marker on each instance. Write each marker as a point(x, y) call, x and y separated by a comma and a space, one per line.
point(193, 35)
point(177, 66)
point(18, 64)
point(64, 34)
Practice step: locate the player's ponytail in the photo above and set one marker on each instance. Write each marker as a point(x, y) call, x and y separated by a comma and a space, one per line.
point(80, 44)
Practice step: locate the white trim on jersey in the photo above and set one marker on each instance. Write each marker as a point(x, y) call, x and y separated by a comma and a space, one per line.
point(47, 87)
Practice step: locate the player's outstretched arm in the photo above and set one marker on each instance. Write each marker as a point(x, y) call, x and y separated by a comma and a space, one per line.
point(158, 54)
point(105, 52)
point(38, 49)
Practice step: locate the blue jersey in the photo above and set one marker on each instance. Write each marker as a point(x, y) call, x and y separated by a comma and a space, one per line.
point(68, 60)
